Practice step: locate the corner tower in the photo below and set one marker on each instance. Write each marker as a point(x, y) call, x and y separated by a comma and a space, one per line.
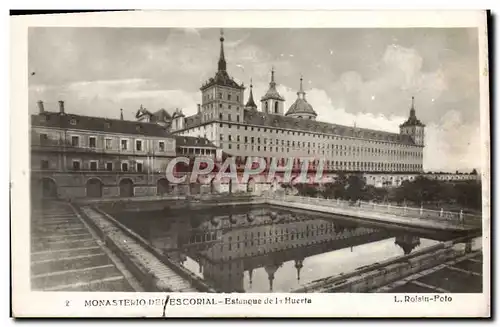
point(222, 97)
point(413, 127)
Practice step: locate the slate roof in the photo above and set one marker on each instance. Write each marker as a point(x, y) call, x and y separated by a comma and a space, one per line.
point(98, 124)
point(412, 121)
point(251, 102)
point(272, 93)
point(159, 116)
point(193, 141)
point(222, 78)
point(301, 106)
point(162, 115)
point(278, 121)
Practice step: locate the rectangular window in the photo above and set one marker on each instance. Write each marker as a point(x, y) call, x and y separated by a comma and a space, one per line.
point(75, 141)
point(138, 145)
point(124, 144)
point(76, 165)
point(107, 144)
point(222, 137)
point(161, 146)
point(238, 118)
point(44, 164)
point(139, 167)
point(124, 166)
point(229, 117)
point(109, 166)
point(93, 165)
point(43, 138)
point(92, 142)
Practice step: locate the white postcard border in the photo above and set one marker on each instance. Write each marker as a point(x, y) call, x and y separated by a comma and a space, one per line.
point(28, 303)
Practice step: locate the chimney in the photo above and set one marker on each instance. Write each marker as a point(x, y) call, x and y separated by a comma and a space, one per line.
point(40, 107)
point(199, 108)
point(61, 107)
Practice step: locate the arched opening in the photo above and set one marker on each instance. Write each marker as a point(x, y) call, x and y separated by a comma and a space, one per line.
point(276, 107)
point(251, 185)
point(94, 188)
point(274, 184)
point(48, 188)
point(212, 185)
point(126, 188)
point(195, 188)
point(162, 186)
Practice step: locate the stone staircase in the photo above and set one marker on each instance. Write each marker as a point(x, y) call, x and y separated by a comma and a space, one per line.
point(66, 257)
point(164, 277)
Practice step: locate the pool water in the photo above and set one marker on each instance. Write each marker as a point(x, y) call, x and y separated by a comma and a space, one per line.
point(264, 249)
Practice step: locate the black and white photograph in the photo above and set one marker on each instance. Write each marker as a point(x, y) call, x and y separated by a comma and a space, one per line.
point(283, 162)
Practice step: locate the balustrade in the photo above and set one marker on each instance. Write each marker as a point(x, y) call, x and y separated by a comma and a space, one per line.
point(370, 207)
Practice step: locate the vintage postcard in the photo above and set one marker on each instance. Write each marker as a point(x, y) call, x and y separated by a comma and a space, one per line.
point(250, 164)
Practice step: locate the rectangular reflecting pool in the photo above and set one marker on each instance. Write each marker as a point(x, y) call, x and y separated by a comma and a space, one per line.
point(265, 249)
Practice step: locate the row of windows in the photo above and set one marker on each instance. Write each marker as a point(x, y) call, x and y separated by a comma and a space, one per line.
point(220, 96)
point(295, 133)
point(93, 165)
point(287, 150)
point(200, 151)
point(108, 143)
point(303, 144)
point(335, 164)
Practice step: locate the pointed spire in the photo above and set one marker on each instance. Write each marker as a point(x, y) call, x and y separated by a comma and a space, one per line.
point(222, 59)
point(272, 93)
point(251, 103)
point(271, 279)
point(412, 109)
point(298, 265)
point(121, 114)
point(301, 93)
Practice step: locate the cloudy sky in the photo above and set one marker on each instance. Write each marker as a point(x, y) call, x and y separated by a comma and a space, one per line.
point(362, 76)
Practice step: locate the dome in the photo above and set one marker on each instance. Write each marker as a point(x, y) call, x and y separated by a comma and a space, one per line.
point(301, 106)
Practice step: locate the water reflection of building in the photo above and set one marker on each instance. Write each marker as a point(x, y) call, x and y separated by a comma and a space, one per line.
point(407, 242)
point(226, 247)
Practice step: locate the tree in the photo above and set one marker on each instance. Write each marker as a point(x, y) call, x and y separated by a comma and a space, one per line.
point(474, 172)
point(355, 187)
point(307, 190)
point(337, 189)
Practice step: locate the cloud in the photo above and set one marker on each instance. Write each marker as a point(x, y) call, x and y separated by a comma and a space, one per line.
point(451, 144)
point(163, 68)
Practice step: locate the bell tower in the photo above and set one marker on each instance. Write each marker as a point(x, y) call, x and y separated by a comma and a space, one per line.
point(413, 127)
point(272, 102)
